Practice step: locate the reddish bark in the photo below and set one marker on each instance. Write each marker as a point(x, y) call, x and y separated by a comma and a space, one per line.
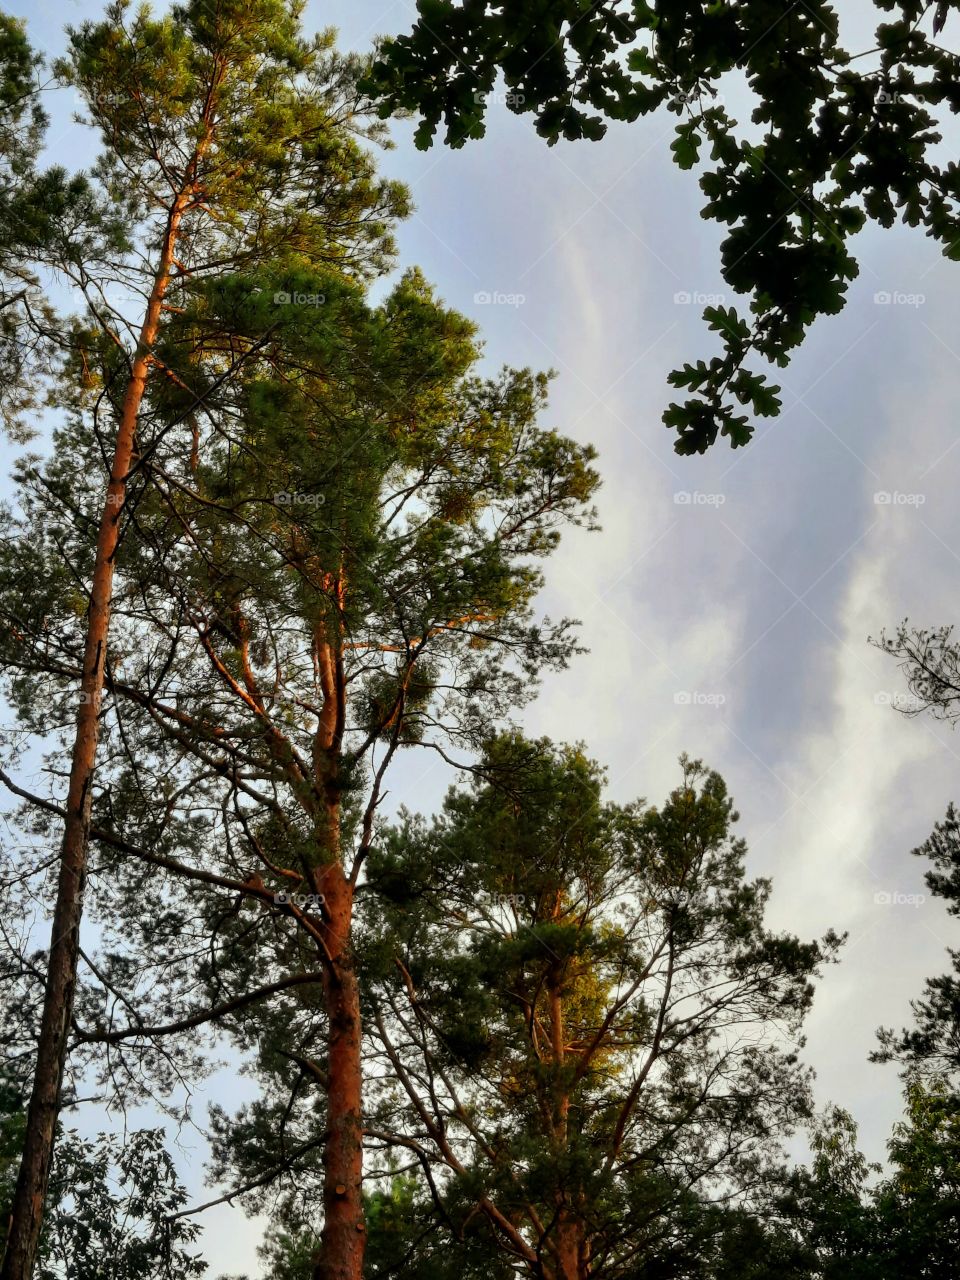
point(343, 1238)
point(42, 1112)
point(569, 1245)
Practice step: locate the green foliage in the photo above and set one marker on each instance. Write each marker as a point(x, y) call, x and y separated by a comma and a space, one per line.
point(239, 105)
point(834, 1210)
point(22, 119)
point(111, 1199)
point(920, 1204)
point(331, 551)
point(33, 206)
point(567, 975)
point(929, 659)
point(906, 1224)
point(13, 1119)
point(932, 1046)
point(287, 1255)
point(835, 140)
point(852, 1225)
point(405, 1237)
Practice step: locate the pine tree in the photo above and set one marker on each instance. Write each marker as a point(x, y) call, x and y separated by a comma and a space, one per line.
point(45, 217)
point(591, 1030)
point(22, 124)
point(227, 139)
point(338, 564)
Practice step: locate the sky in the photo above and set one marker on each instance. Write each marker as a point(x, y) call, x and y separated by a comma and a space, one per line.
point(727, 601)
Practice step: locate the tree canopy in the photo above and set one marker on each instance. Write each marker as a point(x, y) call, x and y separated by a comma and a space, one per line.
point(287, 530)
point(835, 138)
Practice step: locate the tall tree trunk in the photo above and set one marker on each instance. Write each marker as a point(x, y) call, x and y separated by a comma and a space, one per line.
point(570, 1229)
point(343, 1239)
point(31, 1190)
point(568, 1246)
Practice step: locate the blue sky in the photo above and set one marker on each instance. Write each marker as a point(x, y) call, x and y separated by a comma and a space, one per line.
point(734, 625)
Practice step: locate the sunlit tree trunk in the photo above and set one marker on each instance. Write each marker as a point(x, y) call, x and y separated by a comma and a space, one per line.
point(31, 1189)
point(343, 1236)
point(569, 1249)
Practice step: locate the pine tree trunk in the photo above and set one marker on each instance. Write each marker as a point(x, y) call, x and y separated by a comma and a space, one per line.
point(569, 1235)
point(343, 1238)
point(569, 1251)
point(27, 1213)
